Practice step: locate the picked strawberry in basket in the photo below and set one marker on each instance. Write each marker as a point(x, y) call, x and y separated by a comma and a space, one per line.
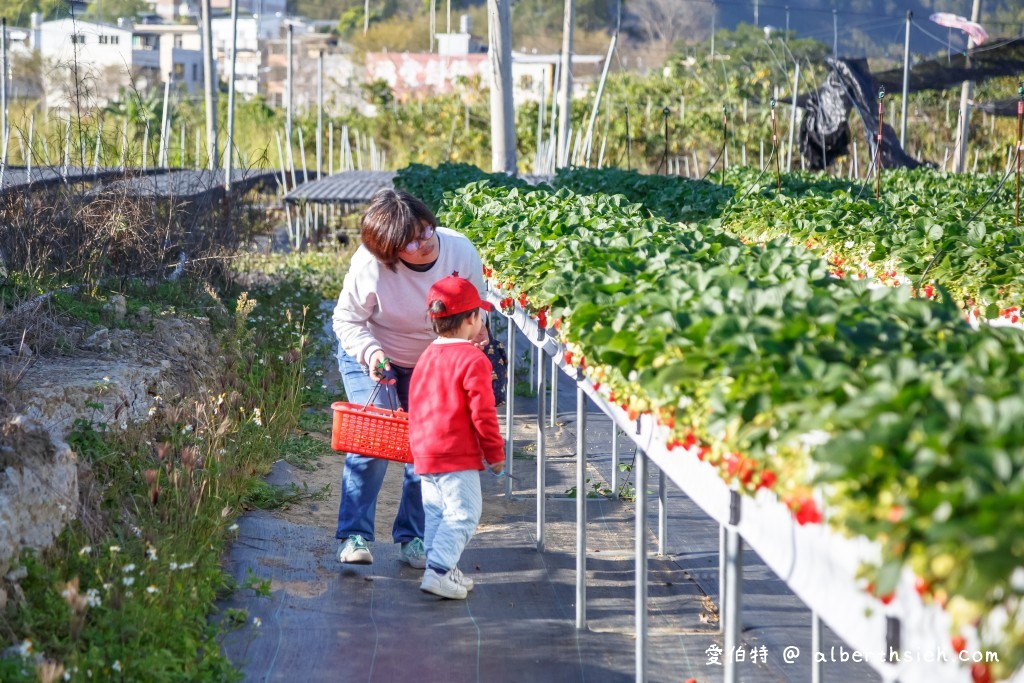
point(369, 430)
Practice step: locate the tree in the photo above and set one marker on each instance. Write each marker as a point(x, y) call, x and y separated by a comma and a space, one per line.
point(110, 10)
point(668, 22)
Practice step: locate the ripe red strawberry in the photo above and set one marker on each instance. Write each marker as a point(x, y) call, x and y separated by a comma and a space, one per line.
point(568, 357)
point(959, 643)
point(929, 291)
point(980, 673)
point(768, 479)
point(922, 586)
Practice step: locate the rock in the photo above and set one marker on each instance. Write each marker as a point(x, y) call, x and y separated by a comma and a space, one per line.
point(38, 490)
point(98, 340)
point(117, 306)
point(143, 315)
point(6, 351)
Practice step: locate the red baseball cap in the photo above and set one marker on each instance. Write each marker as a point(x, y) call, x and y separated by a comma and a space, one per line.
point(458, 296)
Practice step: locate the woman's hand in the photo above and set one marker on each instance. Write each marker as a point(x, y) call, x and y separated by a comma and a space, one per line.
point(376, 359)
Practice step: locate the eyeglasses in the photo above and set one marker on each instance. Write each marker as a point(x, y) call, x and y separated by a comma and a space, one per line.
point(415, 245)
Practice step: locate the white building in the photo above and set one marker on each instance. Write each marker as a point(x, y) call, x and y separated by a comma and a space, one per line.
point(104, 58)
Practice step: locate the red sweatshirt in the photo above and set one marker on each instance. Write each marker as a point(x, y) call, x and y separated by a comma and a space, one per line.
point(453, 425)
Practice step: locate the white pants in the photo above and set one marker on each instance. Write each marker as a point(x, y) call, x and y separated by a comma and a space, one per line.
point(452, 504)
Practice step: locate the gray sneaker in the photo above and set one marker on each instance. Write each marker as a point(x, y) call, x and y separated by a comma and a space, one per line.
point(443, 585)
point(414, 554)
point(354, 551)
point(462, 579)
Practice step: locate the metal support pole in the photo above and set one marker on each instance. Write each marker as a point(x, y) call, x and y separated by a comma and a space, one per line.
point(640, 579)
point(723, 569)
point(565, 87)
point(815, 647)
point(581, 507)
point(733, 588)
point(792, 119)
point(3, 78)
point(541, 484)
point(510, 397)
point(662, 511)
point(615, 461)
point(835, 34)
point(320, 115)
point(906, 79)
point(554, 391)
point(230, 142)
point(162, 154)
point(210, 86)
point(288, 100)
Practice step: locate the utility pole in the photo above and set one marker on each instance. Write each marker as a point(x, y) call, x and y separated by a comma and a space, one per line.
point(966, 91)
point(906, 84)
point(229, 147)
point(210, 86)
point(503, 128)
point(565, 87)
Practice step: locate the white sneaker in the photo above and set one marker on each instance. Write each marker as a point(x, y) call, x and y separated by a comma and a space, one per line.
point(414, 554)
point(354, 551)
point(443, 585)
point(462, 579)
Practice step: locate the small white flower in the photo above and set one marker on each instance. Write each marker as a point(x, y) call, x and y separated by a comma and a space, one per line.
point(221, 451)
point(115, 548)
point(257, 417)
point(86, 550)
point(151, 553)
point(128, 580)
point(107, 586)
point(319, 373)
point(25, 649)
point(848, 244)
point(257, 622)
point(263, 361)
point(62, 507)
point(187, 565)
point(92, 598)
point(136, 530)
point(152, 411)
point(174, 566)
point(323, 386)
point(106, 379)
point(128, 568)
point(152, 590)
point(280, 357)
point(123, 425)
point(233, 527)
point(816, 437)
point(186, 429)
point(116, 666)
point(67, 675)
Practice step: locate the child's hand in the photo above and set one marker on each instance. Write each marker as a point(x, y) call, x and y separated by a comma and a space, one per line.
point(498, 467)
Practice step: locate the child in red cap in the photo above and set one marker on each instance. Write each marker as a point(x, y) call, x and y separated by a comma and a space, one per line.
point(453, 429)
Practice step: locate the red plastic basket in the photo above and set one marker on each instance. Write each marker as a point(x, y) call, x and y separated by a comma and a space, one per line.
point(372, 431)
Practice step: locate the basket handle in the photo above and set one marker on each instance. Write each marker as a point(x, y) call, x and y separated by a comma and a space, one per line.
point(388, 377)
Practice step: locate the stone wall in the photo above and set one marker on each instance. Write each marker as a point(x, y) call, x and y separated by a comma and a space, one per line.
point(113, 378)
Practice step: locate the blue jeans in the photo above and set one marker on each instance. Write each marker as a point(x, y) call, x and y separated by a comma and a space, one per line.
point(363, 476)
point(453, 503)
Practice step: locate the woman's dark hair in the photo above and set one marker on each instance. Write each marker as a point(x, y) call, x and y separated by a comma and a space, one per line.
point(449, 324)
point(392, 220)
